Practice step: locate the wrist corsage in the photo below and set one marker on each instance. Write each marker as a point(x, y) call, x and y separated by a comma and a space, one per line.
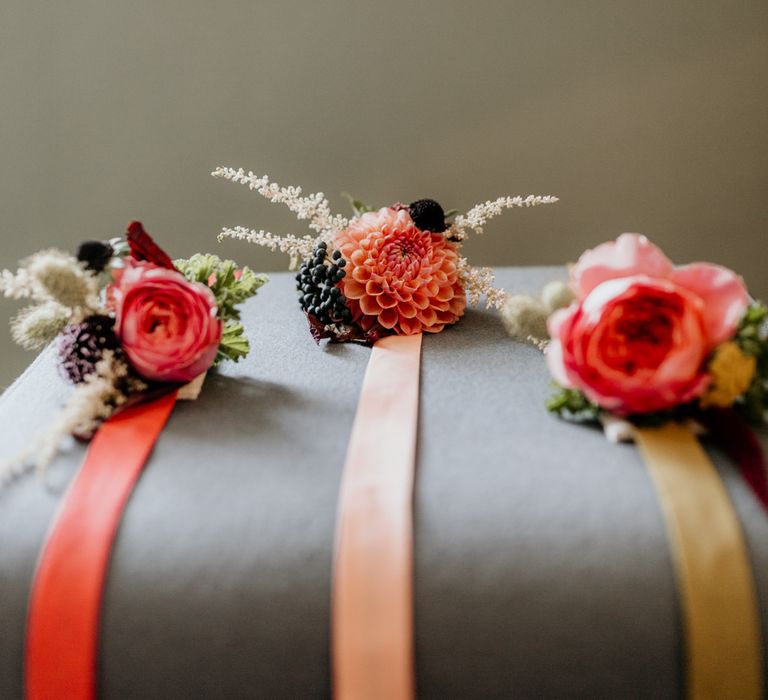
point(649, 341)
point(127, 324)
point(397, 270)
point(384, 278)
point(634, 337)
point(635, 341)
point(660, 355)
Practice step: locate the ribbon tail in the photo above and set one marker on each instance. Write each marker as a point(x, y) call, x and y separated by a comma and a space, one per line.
point(721, 617)
point(372, 636)
point(65, 600)
point(735, 436)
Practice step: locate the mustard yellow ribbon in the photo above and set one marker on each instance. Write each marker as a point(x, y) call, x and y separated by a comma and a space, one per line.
point(723, 646)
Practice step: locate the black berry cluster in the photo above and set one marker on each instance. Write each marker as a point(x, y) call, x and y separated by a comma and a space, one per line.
point(317, 281)
point(428, 215)
point(95, 254)
point(81, 345)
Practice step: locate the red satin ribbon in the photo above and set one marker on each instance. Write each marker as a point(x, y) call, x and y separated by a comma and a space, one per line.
point(372, 635)
point(65, 602)
point(735, 436)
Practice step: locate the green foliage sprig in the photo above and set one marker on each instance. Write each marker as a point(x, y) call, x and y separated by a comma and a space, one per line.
point(231, 285)
point(359, 207)
point(571, 404)
point(752, 338)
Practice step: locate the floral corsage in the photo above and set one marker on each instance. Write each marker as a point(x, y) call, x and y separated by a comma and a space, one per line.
point(128, 323)
point(635, 342)
point(636, 338)
point(397, 270)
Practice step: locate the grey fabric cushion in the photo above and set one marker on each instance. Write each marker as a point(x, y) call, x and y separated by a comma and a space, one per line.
point(541, 566)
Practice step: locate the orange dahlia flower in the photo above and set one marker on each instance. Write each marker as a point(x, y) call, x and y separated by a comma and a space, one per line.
point(398, 276)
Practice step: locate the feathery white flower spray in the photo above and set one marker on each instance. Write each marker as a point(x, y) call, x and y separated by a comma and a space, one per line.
point(62, 290)
point(52, 275)
point(557, 295)
point(525, 317)
point(313, 207)
point(36, 326)
point(477, 281)
point(16, 285)
point(291, 245)
point(62, 278)
point(91, 402)
point(479, 215)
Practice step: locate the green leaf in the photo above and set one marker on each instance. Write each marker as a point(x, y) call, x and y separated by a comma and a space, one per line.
point(358, 206)
point(752, 338)
point(222, 278)
point(572, 405)
point(120, 247)
point(234, 344)
point(231, 286)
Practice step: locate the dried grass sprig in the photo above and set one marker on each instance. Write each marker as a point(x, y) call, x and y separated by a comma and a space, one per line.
point(16, 285)
point(479, 282)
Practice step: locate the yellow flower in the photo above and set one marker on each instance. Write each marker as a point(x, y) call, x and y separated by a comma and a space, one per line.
point(732, 372)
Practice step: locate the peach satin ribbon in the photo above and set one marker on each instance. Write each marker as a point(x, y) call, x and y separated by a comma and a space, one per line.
point(65, 601)
point(372, 636)
point(723, 646)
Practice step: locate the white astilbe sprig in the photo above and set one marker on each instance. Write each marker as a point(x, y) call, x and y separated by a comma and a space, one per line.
point(313, 207)
point(479, 215)
point(292, 245)
point(91, 402)
point(478, 282)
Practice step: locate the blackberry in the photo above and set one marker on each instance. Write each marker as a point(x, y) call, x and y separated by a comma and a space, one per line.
point(428, 215)
point(80, 346)
point(95, 254)
point(317, 282)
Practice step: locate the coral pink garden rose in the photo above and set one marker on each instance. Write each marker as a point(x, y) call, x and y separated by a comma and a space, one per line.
point(637, 338)
point(403, 278)
point(167, 325)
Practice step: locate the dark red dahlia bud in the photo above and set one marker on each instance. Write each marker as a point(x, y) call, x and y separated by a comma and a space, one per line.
point(143, 247)
point(82, 345)
point(428, 215)
point(95, 254)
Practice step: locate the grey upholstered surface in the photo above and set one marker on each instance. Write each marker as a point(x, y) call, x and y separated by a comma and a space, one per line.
point(541, 568)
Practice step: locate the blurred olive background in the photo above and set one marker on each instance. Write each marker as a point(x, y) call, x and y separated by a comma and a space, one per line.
point(642, 116)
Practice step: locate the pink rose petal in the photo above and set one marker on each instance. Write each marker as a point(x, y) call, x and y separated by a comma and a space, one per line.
point(630, 254)
point(554, 357)
point(724, 295)
point(558, 319)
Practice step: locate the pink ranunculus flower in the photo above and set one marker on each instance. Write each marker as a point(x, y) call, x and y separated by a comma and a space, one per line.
point(167, 326)
point(637, 337)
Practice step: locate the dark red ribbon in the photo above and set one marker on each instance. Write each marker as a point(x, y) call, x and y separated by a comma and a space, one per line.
point(65, 601)
point(735, 436)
